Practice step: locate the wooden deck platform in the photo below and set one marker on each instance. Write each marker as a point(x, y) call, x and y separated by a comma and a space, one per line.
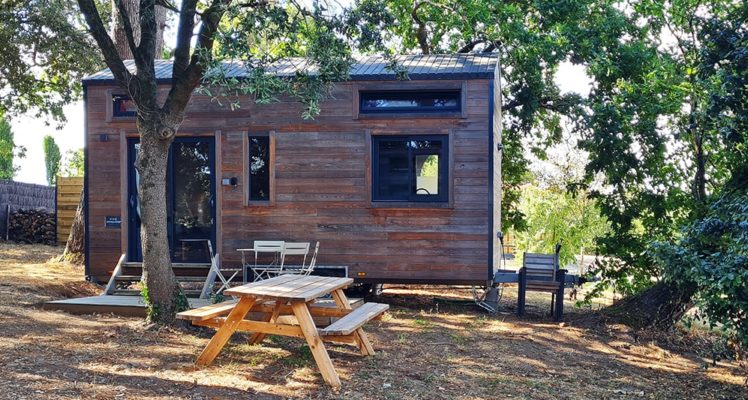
point(133, 306)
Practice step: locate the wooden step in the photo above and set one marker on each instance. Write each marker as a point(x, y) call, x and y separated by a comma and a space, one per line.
point(173, 265)
point(128, 278)
point(137, 278)
point(356, 319)
point(191, 278)
point(180, 278)
point(126, 292)
point(136, 292)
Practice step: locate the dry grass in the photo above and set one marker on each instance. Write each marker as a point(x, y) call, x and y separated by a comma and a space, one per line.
point(432, 345)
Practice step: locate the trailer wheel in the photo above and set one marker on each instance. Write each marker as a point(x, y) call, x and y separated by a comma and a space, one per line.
point(358, 290)
point(365, 290)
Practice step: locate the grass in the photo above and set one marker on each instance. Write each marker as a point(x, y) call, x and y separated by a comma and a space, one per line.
point(456, 352)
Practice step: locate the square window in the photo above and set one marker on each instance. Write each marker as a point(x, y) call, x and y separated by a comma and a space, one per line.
point(123, 106)
point(259, 168)
point(412, 169)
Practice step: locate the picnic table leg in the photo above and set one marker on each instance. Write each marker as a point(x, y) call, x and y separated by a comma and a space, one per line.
point(361, 338)
point(223, 334)
point(258, 337)
point(319, 352)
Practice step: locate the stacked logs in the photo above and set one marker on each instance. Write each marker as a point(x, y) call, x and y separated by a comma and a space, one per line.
point(32, 225)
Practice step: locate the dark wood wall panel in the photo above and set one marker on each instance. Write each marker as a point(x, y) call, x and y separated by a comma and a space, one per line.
point(104, 194)
point(321, 187)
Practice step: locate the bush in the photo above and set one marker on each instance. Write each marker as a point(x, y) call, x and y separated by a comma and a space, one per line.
point(712, 257)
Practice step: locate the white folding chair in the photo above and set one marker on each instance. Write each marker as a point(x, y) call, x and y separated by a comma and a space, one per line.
point(300, 249)
point(305, 269)
point(225, 282)
point(312, 263)
point(260, 272)
point(217, 272)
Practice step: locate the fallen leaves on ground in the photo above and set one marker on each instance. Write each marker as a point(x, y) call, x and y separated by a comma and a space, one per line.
point(433, 344)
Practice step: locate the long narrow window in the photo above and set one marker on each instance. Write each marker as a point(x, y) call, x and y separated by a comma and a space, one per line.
point(439, 101)
point(259, 168)
point(410, 168)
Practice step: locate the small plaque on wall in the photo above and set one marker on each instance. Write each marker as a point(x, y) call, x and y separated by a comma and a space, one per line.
point(114, 222)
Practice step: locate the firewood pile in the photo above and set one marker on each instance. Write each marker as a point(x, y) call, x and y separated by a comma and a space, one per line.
point(32, 225)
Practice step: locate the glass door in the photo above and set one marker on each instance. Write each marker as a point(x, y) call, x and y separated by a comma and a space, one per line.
point(190, 184)
point(191, 189)
point(134, 249)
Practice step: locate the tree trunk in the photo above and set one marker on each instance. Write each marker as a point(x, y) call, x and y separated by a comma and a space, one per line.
point(700, 176)
point(660, 306)
point(156, 124)
point(163, 292)
point(118, 31)
point(75, 246)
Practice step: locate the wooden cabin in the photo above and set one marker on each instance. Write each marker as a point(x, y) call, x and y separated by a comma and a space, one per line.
point(398, 180)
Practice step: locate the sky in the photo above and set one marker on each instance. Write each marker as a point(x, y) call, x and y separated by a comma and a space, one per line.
point(29, 131)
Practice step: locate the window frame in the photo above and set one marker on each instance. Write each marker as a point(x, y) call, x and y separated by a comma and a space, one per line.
point(121, 97)
point(110, 115)
point(409, 86)
point(443, 199)
point(410, 94)
point(247, 172)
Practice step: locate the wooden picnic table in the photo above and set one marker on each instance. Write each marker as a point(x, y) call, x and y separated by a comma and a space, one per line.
point(289, 295)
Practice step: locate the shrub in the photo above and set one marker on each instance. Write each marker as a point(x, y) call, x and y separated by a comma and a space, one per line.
point(712, 257)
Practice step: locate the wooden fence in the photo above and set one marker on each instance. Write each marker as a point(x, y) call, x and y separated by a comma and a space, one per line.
point(68, 196)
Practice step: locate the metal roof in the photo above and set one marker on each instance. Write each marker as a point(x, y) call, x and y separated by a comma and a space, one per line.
point(420, 67)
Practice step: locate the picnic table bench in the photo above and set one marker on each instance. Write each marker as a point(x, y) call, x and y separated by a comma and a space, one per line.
point(286, 295)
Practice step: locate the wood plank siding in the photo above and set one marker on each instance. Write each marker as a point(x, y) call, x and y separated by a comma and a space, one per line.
point(321, 186)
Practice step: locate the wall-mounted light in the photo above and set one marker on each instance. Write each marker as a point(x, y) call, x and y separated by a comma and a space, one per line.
point(233, 181)
point(103, 137)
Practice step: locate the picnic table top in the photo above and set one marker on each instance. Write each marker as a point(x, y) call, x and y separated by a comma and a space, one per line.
point(290, 287)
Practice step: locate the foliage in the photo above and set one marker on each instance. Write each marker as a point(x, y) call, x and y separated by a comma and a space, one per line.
point(51, 158)
point(533, 40)
point(325, 37)
point(45, 53)
point(724, 66)
point(649, 133)
point(556, 216)
point(712, 255)
point(8, 151)
point(73, 164)
point(700, 157)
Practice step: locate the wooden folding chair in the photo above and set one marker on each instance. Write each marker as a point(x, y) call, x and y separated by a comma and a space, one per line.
point(541, 273)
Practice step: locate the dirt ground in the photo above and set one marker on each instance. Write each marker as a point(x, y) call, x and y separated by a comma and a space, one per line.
point(433, 344)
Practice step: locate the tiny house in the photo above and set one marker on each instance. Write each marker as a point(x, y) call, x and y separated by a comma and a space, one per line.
point(399, 180)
